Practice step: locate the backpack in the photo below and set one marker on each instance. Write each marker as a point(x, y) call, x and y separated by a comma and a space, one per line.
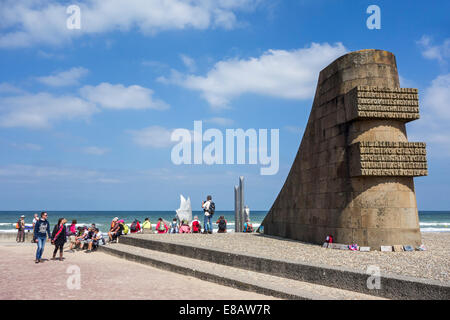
point(161, 226)
point(133, 226)
point(17, 225)
point(249, 228)
point(125, 229)
point(222, 224)
point(212, 208)
point(196, 226)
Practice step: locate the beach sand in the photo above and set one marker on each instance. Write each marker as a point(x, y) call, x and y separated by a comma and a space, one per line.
point(431, 264)
point(102, 277)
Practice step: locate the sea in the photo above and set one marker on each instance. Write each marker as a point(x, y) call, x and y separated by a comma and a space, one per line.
point(430, 221)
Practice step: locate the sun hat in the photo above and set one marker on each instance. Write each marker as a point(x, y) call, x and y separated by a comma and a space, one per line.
point(22, 216)
point(115, 219)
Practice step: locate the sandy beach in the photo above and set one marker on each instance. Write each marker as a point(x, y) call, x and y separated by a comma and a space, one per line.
point(102, 277)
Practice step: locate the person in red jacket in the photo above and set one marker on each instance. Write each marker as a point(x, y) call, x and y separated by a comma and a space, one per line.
point(161, 227)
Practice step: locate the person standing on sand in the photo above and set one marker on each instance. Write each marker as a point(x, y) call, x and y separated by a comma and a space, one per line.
point(21, 229)
point(59, 238)
point(35, 219)
point(41, 230)
point(209, 208)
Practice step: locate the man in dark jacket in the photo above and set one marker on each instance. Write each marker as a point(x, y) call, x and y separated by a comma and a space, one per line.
point(41, 230)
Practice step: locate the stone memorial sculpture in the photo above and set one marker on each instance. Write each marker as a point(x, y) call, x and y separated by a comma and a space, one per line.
point(353, 174)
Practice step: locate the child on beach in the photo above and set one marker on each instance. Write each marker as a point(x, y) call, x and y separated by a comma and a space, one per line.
point(147, 226)
point(185, 227)
point(222, 223)
point(196, 227)
point(248, 227)
point(161, 227)
point(59, 238)
point(135, 226)
point(174, 226)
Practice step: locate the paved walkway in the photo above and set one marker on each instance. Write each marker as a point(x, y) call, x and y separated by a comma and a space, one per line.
point(102, 277)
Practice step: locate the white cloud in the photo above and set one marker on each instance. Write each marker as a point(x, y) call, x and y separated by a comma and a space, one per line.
point(436, 98)
point(29, 22)
point(153, 136)
point(277, 73)
point(38, 174)
point(433, 126)
point(26, 146)
point(220, 121)
point(42, 109)
point(435, 52)
point(64, 78)
point(7, 88)
point(97, 151)
point(118, 96)
point(188, 62)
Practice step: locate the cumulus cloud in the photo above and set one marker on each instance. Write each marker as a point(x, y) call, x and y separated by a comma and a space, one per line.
point(36, 174)
point(188, 62)
point(440, 52)
point(433, 126)
point(118, 96)
point(277, 73)
point(153, 136)
point(29, 22)
point(69, 77)
point(41, 110)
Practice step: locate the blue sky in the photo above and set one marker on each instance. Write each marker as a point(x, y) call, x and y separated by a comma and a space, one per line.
point(86, 115)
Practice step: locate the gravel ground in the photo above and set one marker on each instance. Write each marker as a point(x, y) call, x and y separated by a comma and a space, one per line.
point(431, 264)
point(102, 277)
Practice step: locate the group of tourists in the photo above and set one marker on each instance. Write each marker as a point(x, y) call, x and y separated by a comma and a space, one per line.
point(82, 237)
point(89, 238)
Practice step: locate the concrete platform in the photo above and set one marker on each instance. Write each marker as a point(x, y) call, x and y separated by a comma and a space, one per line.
point(234, 277)
point(332, 277)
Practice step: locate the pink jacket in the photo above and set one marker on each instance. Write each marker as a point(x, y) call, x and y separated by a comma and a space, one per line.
point(185, 229)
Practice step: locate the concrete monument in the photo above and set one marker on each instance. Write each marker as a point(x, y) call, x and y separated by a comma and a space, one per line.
point(353, 174)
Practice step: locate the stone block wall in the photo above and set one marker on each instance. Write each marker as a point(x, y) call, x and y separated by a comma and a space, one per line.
point(353, 174)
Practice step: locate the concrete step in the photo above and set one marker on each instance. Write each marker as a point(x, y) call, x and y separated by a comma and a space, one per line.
point(230, 276)
point(391, 286)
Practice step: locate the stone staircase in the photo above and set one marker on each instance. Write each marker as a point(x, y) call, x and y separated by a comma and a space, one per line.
point(161, 255)
point(279, 278)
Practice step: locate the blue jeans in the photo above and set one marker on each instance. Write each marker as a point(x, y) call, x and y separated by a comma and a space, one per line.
point(40, 248)
point(208, 224)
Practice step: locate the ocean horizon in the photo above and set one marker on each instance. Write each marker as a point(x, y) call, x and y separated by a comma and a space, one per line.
point(430, 221)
